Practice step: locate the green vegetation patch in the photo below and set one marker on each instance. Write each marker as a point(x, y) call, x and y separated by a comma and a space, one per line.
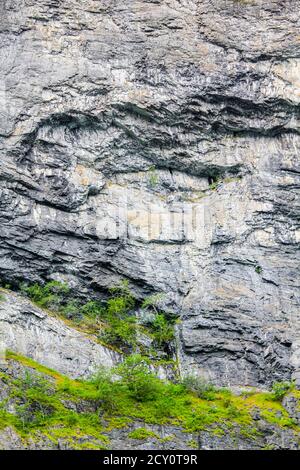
point(53, 407)
point(113, 321)
point(142, 434)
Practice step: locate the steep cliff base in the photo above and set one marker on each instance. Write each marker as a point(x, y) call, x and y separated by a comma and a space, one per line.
point(41, 409)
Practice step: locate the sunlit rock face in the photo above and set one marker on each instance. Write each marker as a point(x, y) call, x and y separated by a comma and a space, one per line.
point(158, 141)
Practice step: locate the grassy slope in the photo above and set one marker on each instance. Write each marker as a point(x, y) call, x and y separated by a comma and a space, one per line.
point(48, 408)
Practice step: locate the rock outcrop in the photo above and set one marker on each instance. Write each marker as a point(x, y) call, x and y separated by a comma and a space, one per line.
point(28, 330)
point(158, 141)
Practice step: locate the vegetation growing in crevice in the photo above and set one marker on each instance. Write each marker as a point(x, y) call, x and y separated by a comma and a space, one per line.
point(280, 389)
point(213, 182)
point(114, 321)
point(153, 177)
point(142, 434)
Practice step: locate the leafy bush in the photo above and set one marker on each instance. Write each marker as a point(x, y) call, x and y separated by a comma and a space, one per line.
point(232, 410)
point(47, 296)
point(121, 325)
point(138, 379)
point(104, 384)
point(33, 381)
point(280, 389)
point(122, 290)
point(118, 306)
point(71, 310)
point(258, 269)
point(120, 332)
point(93, 309)
point(163, 331)
point(199, 387)
point(35, 400)
point(162, 324)
point(114, 321)
point(153, 177)
point(152, 301)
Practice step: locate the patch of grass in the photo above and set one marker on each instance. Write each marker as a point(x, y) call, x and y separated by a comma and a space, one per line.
point(27, 362)
point(142, 434)
point(193, 444)
point(213, 186)
point(40, 410)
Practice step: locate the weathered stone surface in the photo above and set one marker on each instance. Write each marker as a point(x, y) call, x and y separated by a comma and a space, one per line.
point(28, 330)
point(10, 440)
point(94, 94)
point(270, 438)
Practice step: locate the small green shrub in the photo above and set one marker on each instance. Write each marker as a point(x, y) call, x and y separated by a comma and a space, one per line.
point(280, 389)
point(199, 387)
point(93, 309)
point(121, 325)
point(163, 331)
point(152, 301)
point(35, 401)
point(232, 410)
point(106, 390)
point(123, 290)
point(138, 379)
point(118, 306)
point(121, 333)
point(214, 181)
point(34, 381)
point(47, 296)
point(162, 323)
point(71, 310)
point(153, 177)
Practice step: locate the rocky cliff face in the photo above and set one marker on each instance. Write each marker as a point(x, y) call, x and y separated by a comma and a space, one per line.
point(158, 141)
point(29, 330)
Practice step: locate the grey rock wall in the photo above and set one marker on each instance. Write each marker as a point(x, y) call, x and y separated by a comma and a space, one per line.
point(116, 120)
point(28, 330)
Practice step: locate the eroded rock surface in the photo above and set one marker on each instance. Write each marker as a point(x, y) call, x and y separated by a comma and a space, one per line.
point(117, 118)
point(28, 330)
